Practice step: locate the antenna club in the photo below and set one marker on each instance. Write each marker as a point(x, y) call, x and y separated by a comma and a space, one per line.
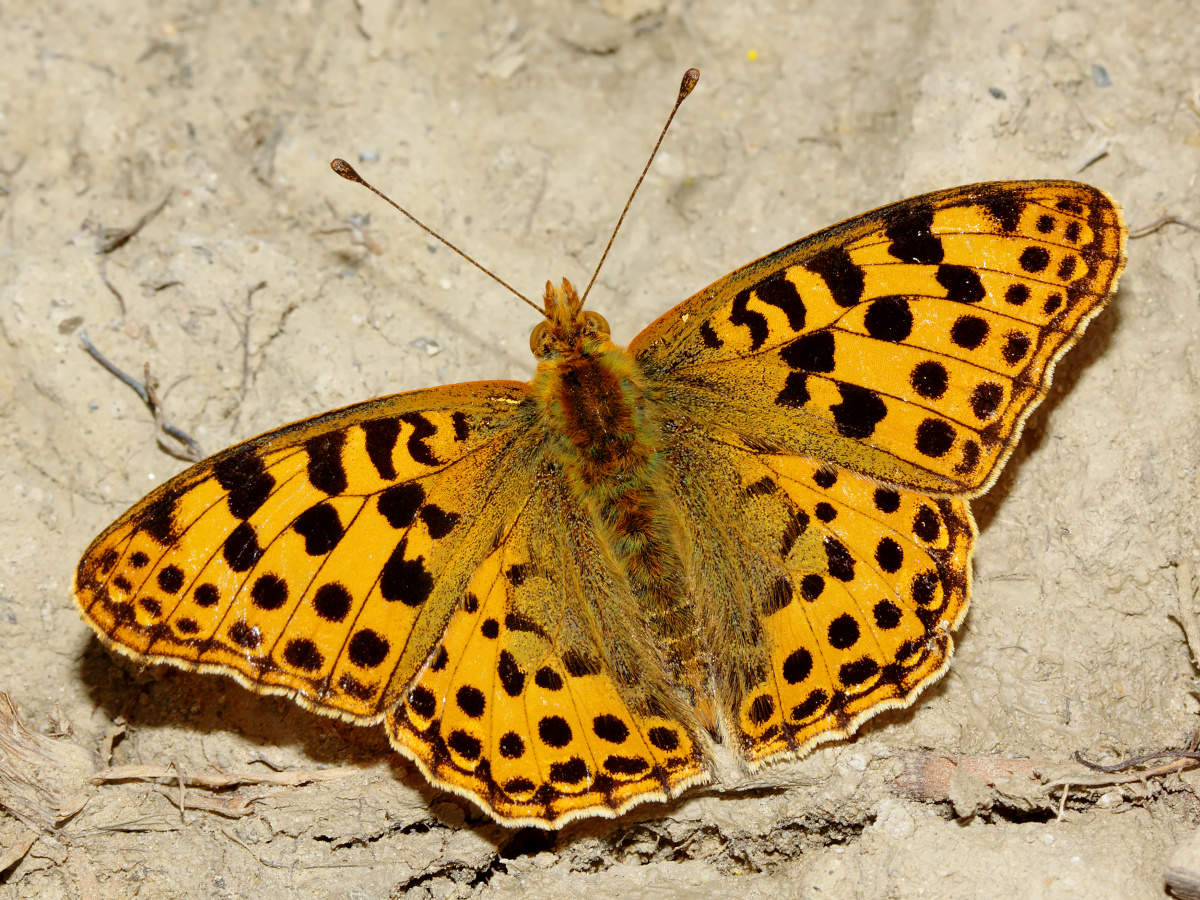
point(690, 78)
point(346, 170)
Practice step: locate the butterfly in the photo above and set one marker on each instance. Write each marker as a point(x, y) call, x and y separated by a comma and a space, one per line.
point(750, 526)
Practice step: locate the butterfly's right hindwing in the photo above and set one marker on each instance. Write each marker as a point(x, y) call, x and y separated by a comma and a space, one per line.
point(542, 701)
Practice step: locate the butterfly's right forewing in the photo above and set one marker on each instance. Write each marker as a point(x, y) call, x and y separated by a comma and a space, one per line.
point(322, 560)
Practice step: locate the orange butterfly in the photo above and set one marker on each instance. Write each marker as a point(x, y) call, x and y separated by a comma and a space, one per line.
point(751, 523)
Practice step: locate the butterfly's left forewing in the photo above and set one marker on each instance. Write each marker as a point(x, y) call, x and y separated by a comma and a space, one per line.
point(908, 344)
point(322, 560)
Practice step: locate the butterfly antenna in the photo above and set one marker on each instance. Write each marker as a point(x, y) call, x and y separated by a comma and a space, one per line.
point(690, 78)
point(348, 172)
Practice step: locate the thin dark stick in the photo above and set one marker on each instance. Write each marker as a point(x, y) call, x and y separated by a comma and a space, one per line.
point(1154, 226)
point(348, 172)
point(148, 395)
point(1137, 760)
point(690, 78)
point(121, 237)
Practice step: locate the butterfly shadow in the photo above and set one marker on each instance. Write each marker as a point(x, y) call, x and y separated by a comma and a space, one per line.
point(1094, 343)
point(235, 728)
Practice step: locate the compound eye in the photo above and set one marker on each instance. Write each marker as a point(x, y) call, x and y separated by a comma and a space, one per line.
point(596, 323)
point(537, 340)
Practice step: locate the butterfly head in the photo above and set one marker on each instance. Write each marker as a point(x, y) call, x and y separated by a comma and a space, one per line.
point(568, 329)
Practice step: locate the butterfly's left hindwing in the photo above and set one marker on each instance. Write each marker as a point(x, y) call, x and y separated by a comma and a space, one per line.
point(908, 344)
point(321, 560)
point(832, 597)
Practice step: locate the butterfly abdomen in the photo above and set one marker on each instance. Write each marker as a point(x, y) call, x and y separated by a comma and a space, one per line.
point(606, 439)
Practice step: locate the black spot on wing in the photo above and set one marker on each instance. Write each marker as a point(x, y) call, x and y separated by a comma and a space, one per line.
point(761, 709)
point(610, 728)
point(1005, 209)
point(423, 429)
point(930, 379)
point(352, 687)
point(367, 649)
point(399, 503)
point(841, 563)
point(301, 653)
point(794, 391)
point(269, 591)
point(244, 635)
point(249, 484)
point(439, 522)
point(859, 412)
point(325, 468)
point(547, 679)
point(1034, 259)
point(756, 322)
point(986, 399)
point(962, 283)
point(321, 529)
point(1016, 294)
point(512, 679)
point(462, 428)
point(1016, 346)
point(841, 275)
point(810, 353)
point(889, 319)
point(406, 580)
point(206, 595)
point(935, 437)
point(170, 579)
point(843, 632)
point(912, 238)
point(926, 524)
point(241, 549)
point(422, 701)
point(969, 332)
point(778, 291)
point(886, 500)
point(381, 437)
point(471, 701)
point(332, 602)
point(797, 666)
point(861, 670)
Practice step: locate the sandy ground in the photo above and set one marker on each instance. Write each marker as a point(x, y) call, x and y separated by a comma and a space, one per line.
point(517, 127)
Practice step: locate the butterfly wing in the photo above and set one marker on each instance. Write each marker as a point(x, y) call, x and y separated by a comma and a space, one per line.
point(833, 404)
point(910, 343)
point(830, 596)
point(394, 559)
point(322, 560)
point(542, 701)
